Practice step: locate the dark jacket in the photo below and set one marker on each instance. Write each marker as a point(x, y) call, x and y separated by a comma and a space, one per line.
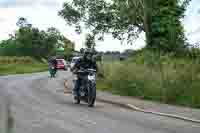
point(85, 64)
point(53, 62)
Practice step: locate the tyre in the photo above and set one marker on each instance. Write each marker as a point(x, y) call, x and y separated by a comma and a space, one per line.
point(91, 95)
point(77, 100)
point(65, 68)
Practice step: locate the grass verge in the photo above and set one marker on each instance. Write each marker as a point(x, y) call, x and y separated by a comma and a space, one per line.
point(165, 79)
point(13, 65)
point(22, 68)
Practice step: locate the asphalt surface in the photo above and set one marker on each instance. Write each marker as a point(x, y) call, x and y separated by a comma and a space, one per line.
point(38, 105)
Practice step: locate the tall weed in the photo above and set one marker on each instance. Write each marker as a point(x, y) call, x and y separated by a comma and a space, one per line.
point(156, 77)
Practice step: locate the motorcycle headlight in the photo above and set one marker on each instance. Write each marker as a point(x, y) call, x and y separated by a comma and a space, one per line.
point(91, 77)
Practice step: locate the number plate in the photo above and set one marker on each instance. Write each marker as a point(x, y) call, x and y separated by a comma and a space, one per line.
point(82, 94)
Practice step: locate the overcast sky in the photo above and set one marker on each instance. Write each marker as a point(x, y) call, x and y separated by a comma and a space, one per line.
point(43, 14)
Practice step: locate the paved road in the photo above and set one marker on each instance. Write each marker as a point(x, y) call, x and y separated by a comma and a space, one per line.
point(39, 106)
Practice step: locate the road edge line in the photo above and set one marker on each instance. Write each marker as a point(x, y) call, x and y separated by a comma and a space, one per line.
point(135, 108)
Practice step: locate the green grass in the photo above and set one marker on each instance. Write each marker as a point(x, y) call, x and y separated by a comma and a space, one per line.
point(21, 66)
point(165, 79)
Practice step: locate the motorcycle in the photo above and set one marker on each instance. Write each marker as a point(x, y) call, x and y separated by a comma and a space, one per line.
point(52, 71)
point(87, 89)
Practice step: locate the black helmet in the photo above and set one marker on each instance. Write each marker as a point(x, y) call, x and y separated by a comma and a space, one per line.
point(88, 53)
point(82, 50)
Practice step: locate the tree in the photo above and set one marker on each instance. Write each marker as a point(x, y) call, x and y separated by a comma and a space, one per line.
point(166, 31)
point(126, 19)
point(68, 48)
point(8, 47)
point(30, 41)
point(90, 41)
point(22, 22)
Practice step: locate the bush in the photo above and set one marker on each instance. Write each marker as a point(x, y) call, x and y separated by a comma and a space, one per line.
point(16, 60)
point(21, 68)
point(157, 77)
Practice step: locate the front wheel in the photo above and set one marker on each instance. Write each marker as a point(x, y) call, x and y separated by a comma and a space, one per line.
point(65, 68)
point(91, 95)
point(77, 100)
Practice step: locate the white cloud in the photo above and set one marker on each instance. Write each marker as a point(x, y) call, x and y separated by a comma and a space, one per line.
point(7, 25)
point(29, 3)
point(191, 21)
point(43, 14)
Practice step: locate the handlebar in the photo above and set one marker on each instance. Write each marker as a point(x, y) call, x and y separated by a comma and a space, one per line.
point(86, 70)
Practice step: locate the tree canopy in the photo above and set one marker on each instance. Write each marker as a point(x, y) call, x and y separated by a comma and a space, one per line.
point(126, 19)
point(90, 41)
point(30, 41)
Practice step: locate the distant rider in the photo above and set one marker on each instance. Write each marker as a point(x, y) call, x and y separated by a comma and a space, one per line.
point(53, 67)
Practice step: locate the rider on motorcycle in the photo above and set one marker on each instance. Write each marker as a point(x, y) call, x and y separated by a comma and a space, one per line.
point(83, 63)
point(52, 66)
